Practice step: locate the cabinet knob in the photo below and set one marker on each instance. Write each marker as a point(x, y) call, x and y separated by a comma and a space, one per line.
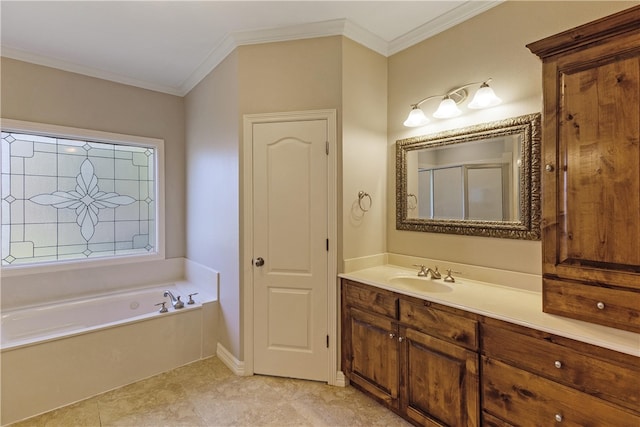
point(392, 335)
point(558, 418)
point(557, 364)
point(400, 339)
point(600, 305)
point(549, 167)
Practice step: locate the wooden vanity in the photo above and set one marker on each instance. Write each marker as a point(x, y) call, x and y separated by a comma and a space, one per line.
point(441, 366)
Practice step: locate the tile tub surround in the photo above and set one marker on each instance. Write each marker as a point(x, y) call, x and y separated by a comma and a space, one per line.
point(207, 393)
point(511, 304)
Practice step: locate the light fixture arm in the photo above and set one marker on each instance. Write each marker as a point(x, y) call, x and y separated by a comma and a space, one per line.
point(452, 92)
point(486, 82)
point(422, 101)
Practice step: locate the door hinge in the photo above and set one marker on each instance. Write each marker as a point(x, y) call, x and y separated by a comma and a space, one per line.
point(327, 147)
point(327, 245)
point(327, 341)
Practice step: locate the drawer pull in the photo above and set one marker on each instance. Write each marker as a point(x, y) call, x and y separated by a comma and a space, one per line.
point(600, 305)
point(557, 364)
point(558, 418)
point(392, 335)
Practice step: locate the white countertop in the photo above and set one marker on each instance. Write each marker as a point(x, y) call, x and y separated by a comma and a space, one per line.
point(513, 305)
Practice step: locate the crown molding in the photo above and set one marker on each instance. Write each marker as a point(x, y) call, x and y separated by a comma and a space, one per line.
point(443, 22)
point(335, 27)
point(59, 64)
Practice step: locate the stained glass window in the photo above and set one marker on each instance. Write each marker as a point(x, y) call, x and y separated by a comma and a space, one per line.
point(73, 199)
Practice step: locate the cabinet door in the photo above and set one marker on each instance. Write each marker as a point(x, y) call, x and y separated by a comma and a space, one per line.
point(594, 225)
point(374, 355)
point(439, 381)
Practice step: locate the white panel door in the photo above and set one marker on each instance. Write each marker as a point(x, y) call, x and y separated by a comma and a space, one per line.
point(290, 249)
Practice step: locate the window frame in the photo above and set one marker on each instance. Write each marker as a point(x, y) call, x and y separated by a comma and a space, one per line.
point(56, 131)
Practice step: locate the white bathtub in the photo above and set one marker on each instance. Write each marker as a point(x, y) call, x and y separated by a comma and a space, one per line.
point(47, 322)
point(53, 355)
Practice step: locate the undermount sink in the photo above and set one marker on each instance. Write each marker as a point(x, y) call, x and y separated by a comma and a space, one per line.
point(421, 284)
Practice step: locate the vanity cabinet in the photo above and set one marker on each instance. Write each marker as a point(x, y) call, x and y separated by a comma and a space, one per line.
point(370, 345)
point(591, 178)
point(441, 366)
point(530, 378)
point(419, 360)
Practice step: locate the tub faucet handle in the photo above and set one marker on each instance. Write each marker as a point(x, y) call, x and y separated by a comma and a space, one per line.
point(191, 301)
point(163, 309)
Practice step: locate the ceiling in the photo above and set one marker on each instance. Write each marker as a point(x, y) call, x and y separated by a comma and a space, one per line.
point(169, 46)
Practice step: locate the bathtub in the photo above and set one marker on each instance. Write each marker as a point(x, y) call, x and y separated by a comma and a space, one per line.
point(57, 354)
point(43, 323)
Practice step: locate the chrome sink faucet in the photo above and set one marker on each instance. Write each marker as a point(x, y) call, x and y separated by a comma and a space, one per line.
point(426, 271)
point(175, 302)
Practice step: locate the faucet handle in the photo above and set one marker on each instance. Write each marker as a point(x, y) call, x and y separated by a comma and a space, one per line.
point(423, 269)
point(449, 278)
point(163, 309)
point(191, 301)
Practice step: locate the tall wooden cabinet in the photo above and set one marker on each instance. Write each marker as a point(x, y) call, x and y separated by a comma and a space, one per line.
point(591, 176)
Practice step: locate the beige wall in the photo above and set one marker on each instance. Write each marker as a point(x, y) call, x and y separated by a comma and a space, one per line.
point(46, 95)
point(212, 188)
point(489, 45)
point(364, 147)
point(290, 76)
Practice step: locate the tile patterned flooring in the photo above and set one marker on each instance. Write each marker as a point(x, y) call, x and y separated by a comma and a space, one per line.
point(207, 393)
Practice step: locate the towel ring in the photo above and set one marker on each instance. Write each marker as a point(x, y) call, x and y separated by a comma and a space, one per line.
point(362, 195)
point(415, 201)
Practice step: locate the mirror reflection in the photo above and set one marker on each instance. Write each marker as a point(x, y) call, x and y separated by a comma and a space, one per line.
point(479, 180)
point(473, 180)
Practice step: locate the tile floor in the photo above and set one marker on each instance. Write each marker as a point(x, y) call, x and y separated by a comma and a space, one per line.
point(207, 393)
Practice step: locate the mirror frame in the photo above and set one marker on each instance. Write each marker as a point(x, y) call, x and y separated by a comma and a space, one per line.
point(527, 228)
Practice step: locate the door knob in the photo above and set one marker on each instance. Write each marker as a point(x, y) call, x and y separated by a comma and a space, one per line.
point(259, 262)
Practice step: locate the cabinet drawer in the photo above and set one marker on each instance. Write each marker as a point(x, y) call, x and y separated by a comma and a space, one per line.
point(527, 399)
point(446, 326)
point(596, 304)
point(611, 381)
point(370, 298)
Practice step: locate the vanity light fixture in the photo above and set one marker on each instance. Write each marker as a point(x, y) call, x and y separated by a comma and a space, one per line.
point(448, 108)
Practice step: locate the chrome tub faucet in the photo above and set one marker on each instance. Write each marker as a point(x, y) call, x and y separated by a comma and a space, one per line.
point(175, 302)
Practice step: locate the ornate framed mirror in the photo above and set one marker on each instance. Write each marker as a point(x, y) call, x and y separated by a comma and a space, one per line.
point(482, 180)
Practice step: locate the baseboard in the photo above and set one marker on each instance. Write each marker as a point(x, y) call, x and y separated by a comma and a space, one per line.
point(236, 366)
point(341, 380)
